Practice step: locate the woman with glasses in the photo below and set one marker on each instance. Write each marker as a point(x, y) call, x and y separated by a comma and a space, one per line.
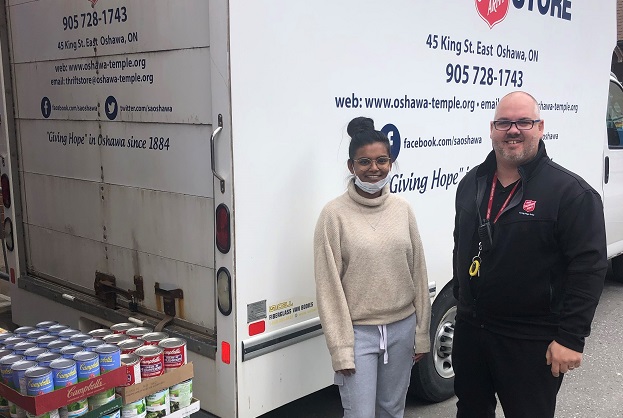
point(371, 282)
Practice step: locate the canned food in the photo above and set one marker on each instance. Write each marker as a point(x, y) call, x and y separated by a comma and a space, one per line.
point(67, 333)
point(115, 338)
point(5, 411)
point(114, 414)
point(64, 373)
point(138, 332)
point(175, 352)
point(20, 348)
point(6, 374)
point(5, 335)
point(110, 357)
point(153, 338)
point(23, 331)
point(130, 345)
point(87, 365)
point(78, 339)
point(158, 404)
point(45, 359)
point(38, 381)
point(100, 333)
point(122, 327)
point(52, 414)
point(91, 344)
point(56, 346)
point(33, 335)
point(152, 361)
point(101, 398)
point(46, 324)
point(135, 409)
point(56, 329)
point(181, 395)
point(11, 342)
point(5, 352)
point(34, 352)
point(75, 409)
point(132, 364)
point(44, 340)
point(18, 369)
point(70, 350)
point(15, 411)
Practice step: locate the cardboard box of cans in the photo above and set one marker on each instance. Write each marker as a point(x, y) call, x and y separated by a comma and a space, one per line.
point(186, 411)
point(46, 402)
point(154, 384)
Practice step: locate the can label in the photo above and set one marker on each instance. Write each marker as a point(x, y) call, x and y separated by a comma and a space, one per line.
point(153, 338)
point(19, 370)
point(87, 365)
point(152, 361)
point(115, 414)
point(39, 381)
point(64, 373)
point(15, 411)
point(6, 373)
point(130, 346)
point(132, 365)
point(175, 353)
point(101, 398)
point(181, 395)
point(122, 327)
point(110, 357)
point(158, 404)
point(52, 414)
point(75, 409)
point(4, 407)
point(135, 409)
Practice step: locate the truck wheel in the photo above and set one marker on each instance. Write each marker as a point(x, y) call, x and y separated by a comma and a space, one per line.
point(617, 268)
point(432, 379)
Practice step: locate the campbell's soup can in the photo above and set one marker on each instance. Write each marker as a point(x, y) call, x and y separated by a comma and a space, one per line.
point(5, 410)
point(34, 352)
point(138, 332)
point(78, 339)
point(102, 398)
point(100, 333)
point(20, 348)
point(5, 352)
point(181, 395)
point(38, 381)
point(70, 350)
point(23, 331)
point(115, 338)
point(58, 345)
point(19, 369)
point(56, 329)
point(45, 359)
point(75, 409)
point(158, 404)
point(6, 374)
point(44, 340)
point(5, 335)
point(11, 342)
point(152, 361)
point(122, 327)
point(153, 338)
point(33, 335)
point(110, 357)
point(87, 365)
point(130, 345)
point(44, 325)
point(136, 409)
point(67, 333)
point(91, 344)
point(175, 352)
point(64, 373)
point(132, 364)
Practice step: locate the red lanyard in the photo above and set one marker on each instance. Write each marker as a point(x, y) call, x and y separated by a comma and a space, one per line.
point(495, 179)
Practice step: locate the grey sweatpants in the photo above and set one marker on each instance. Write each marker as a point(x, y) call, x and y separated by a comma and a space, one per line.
point(378, 388)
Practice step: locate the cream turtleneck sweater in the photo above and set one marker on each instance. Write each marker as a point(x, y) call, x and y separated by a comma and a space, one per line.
point(370, 270)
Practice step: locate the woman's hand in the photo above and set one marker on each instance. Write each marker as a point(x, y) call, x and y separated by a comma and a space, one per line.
point(346, 372)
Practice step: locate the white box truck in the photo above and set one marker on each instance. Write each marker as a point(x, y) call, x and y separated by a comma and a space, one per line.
point(164, 161)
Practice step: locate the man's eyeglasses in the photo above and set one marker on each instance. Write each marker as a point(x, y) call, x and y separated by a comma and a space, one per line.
point(366, 162)
point(522, 125)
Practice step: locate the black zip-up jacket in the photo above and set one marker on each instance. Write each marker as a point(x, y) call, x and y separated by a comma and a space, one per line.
point(544, 275)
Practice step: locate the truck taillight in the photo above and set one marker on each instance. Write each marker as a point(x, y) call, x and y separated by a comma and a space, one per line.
point(223, 290)
point(6, 191)
point(223, 230)
point(8, 234)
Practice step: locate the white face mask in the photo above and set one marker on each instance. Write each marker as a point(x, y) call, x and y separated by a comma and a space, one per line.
point(371, 188)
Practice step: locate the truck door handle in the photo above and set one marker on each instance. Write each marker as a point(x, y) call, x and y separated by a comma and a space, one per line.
point(607, 170)
point(212, 138)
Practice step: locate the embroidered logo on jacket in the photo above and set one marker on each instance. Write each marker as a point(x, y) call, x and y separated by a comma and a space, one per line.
point(529, 205)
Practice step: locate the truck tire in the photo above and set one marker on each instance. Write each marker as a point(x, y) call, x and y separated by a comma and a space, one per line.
point(617, 268)
point(432, 379)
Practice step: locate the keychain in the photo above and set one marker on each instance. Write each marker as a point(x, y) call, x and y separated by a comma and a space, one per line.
point(474, 268)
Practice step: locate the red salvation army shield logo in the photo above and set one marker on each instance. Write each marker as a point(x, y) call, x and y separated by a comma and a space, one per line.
point(529, 205)
point(492, 11)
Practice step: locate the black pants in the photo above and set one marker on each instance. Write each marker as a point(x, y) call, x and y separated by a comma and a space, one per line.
point(486, 364)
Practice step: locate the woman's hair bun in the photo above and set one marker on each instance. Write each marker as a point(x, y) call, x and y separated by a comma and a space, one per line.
point(360, 124)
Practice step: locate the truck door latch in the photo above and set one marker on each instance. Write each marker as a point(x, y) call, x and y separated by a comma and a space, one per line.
point(106, 290)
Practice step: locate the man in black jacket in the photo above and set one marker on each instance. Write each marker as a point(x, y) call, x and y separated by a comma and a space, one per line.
point(529, 263)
